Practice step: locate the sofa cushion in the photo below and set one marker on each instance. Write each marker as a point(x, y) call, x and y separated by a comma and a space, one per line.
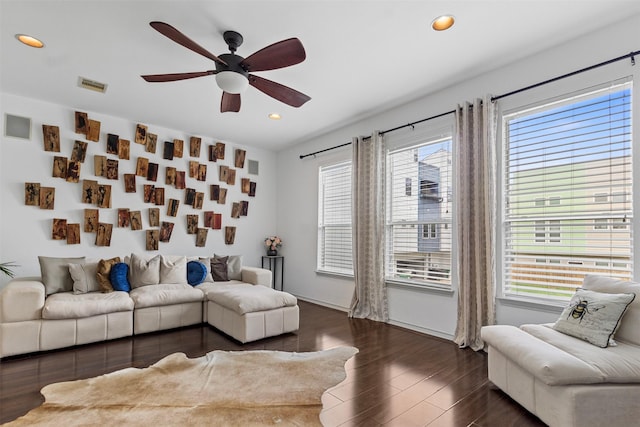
point(67, 305)
point(144, 272)
point(173, 270)
point(593, 316)
point(544, 361)
point(234, 266)
point(104, 273)
point(628, 330)
point(84, 277)
point(219, 269)
point(196, 272)
point(165, 294)
point(120, 277)
point(619, 364)
point(55, 273)
point(245, 298)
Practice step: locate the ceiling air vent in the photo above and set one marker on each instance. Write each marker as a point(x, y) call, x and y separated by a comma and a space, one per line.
point(92, 85)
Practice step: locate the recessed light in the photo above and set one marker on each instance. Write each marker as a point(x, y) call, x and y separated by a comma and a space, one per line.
point(29, 40)
point(275, 116)
point(443, 22)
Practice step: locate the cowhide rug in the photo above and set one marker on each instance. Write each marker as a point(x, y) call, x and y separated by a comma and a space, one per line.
point(236, 388)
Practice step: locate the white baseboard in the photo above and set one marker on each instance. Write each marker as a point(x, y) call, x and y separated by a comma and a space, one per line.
point(404, 325)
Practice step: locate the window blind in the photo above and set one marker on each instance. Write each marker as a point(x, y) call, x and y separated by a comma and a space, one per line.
point(334, 219)
point(568, 193)
point(419, 213)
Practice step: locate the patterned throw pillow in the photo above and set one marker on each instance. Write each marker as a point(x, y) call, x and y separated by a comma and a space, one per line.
point(103, 272)
point(593, 316)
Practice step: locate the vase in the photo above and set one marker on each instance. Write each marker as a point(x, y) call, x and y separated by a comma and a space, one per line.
point(272, 252)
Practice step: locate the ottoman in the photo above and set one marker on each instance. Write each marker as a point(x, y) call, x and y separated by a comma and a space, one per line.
point(250, 312)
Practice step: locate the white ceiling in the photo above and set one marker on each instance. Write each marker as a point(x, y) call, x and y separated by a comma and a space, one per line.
point(362, 56)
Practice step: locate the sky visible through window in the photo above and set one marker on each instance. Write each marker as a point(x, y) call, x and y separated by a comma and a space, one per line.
point(587, 130)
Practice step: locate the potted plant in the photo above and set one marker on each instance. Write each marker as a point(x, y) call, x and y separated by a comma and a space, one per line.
point(272, 243)
point(7, 268)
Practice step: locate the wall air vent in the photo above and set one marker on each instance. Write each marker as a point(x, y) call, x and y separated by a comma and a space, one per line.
point(92, 85)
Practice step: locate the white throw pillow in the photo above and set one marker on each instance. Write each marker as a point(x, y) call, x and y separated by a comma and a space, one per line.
point(593, 316)
point(207, 262)
point(85, 277)
point(143, 272)
point(628, 330)
point(234, 266)
point(173, 270)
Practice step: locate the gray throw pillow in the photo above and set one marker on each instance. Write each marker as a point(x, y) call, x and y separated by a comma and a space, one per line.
point(84, 277)
point(55, 273)
point(144, 272)
point(219, 269)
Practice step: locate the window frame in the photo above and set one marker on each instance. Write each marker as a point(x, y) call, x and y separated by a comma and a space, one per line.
point(438, 131)
point(322, 226)
point(546, 96)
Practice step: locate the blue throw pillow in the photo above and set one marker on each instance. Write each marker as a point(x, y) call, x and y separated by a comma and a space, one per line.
point(118, 276)
point(196, 272)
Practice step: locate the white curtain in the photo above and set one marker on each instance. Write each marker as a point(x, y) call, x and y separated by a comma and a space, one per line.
point(368, 172)
point(476, 205)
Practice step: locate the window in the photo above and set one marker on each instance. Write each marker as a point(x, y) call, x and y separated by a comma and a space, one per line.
point(407, 187)
point(334, 219)
point(577, 150)
point(418, 231)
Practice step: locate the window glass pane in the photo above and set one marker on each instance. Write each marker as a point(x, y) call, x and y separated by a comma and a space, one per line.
point(418, 227)
point(334, 219)
point(576, 155)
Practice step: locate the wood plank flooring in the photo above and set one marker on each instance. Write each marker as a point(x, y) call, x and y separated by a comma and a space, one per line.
point(399, 377)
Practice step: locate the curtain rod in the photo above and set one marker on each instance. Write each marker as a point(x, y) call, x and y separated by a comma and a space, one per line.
point(495, 98)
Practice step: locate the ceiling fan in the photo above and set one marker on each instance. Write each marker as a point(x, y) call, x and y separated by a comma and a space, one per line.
point(233, 71)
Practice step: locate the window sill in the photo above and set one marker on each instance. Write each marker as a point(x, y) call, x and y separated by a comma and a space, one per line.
point(520, 302)
point(335, 274)
point(429, 288)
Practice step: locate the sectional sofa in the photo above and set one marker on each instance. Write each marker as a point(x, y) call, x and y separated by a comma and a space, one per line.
point(71, 303)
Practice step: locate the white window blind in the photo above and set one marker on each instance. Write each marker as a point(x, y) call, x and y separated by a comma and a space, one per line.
point(334, 219)
point(568, 193)
point(418, 223)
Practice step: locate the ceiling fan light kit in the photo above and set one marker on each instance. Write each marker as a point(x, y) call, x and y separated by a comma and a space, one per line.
point(232, 71)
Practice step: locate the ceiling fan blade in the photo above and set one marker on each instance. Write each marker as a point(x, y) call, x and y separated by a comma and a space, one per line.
point(230, 102)
point(155, 78)
point(175, 35)
point(280, 92)
point(278, 55)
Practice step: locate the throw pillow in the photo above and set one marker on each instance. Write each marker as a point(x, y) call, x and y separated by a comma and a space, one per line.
point(119, 277)
point(55, 273)
point(234, 266)
point(207, 262)
point(103, 272)
point(219, 269)
point(628, 330)
point(196, 272)
point(143, 272)
point(84, 277)
point(593, 316)
point(173, 270)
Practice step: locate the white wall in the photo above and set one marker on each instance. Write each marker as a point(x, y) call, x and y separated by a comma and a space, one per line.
point(423, 310)
point(25, 231)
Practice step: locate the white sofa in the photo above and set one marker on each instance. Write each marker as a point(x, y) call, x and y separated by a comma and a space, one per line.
point(31, 320)
point(564, 380)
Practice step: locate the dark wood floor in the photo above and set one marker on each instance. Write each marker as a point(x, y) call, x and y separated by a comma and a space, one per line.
point(399, 377)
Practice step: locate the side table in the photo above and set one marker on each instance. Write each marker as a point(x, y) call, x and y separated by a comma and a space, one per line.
point(273, 266)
